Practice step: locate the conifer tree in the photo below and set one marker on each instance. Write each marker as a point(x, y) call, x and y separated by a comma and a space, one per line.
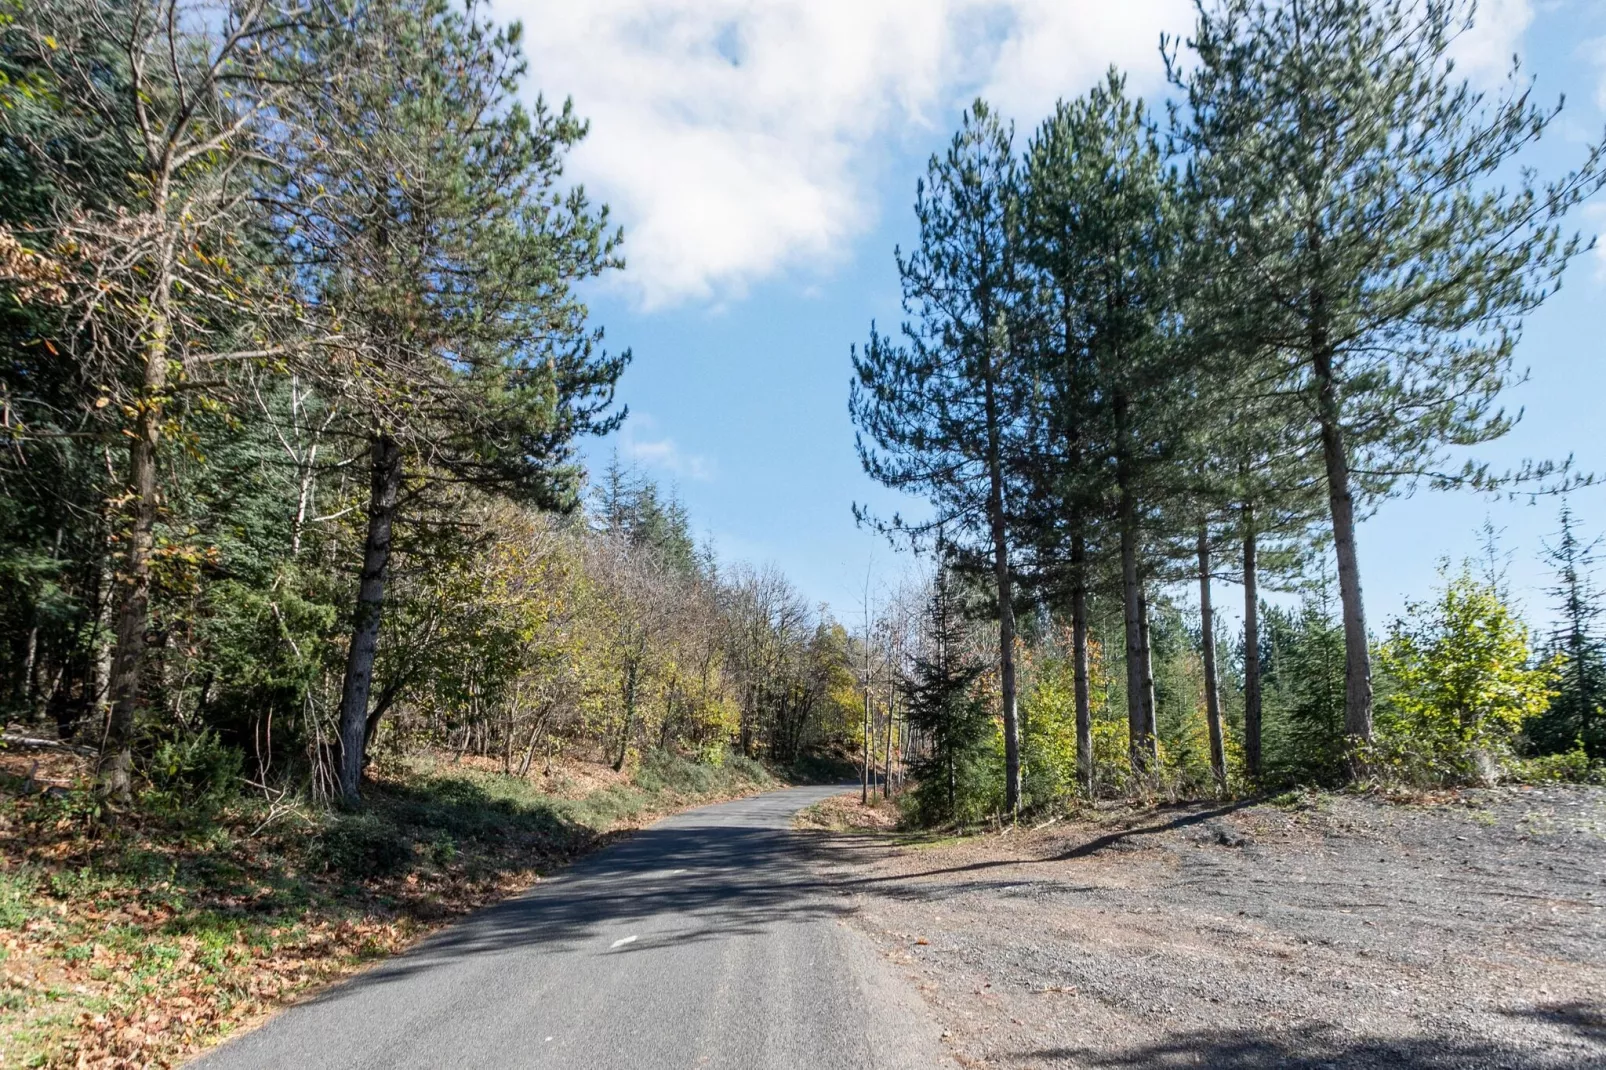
point(940, 703)
point(938, 413)
point(1370, 254)
point(1101, 233)
point(1577, 713)
point(444, 250)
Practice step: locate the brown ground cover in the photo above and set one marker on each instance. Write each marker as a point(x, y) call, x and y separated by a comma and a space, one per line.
point(135, 942)
point(1316, 932)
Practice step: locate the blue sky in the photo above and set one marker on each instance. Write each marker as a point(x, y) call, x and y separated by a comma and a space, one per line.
point(762, 157)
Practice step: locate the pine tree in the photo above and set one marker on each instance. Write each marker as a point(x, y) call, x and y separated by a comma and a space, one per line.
point(1578, 711)
point(1101, 232)
point(444, 252)
point(938, 414)
point(940, 702)
point(1369, 257)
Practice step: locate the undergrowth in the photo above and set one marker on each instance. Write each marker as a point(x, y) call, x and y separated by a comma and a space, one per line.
point(135, 943)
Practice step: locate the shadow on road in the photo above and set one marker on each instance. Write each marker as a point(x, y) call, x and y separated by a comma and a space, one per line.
point(716, 878)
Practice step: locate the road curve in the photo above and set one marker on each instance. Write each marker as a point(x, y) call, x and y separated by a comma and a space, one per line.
point(704, 941)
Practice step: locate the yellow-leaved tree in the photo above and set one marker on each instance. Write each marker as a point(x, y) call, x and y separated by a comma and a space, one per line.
point(1464, 679)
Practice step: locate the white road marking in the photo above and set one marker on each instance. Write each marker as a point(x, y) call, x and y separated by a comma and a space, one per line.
point(622, 943)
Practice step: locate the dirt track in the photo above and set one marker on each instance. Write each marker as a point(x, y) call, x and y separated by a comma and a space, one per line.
point(1337, 932)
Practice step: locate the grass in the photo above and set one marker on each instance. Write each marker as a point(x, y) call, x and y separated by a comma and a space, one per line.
point(136, 944)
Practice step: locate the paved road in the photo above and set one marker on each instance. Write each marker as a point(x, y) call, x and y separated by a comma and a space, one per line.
point(705, 941)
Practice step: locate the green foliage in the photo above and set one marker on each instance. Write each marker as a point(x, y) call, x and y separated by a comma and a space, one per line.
point(663, 771)
point(1048, 738)
point(1574, 766)
point(18, 892)
point(1577, 714)
point(361, 846)
point(194, 774)
point(957, 779)
point(1112, 766)
point(1302, 654)
point(1465, 681)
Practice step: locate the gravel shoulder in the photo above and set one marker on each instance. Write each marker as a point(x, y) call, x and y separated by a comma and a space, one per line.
point(1328, 932)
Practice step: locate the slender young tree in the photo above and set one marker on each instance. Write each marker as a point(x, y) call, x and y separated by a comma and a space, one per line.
point(1577, 713)
point(1207, 642)
point(158, 292)
point(940, 702)
point(937, 414)
point(1373, 256)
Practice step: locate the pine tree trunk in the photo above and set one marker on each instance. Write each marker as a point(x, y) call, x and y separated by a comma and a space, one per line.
point(1151, 743)
point(1252, 701)
point(1207, 623)
point(1357, 659)
point(385, 477)
point(1079, 664)
point(1132, 606)
point(133, 585)
point(1006, 594)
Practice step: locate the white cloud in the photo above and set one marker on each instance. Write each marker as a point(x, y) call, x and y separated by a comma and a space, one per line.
point(738, 139)
point(735, 138)
point(1484, 52)
point(1595, 220)
point(661, 453)
point(1594, 53)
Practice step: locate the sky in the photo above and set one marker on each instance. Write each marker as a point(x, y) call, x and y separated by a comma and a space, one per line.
point(762, 155)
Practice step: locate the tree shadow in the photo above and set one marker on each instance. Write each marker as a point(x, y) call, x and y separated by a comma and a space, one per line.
point(1586, 1021)
point(827, 847)
point(713, 876)
point(1326, 1048)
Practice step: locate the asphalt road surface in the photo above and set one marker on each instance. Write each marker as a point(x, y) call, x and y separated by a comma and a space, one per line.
point(705, 941)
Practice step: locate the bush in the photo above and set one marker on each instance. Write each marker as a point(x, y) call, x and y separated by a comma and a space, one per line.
point(742, 767)
point(1112, 759)
point(361, 846)
point(194, 774)
point(1569, 767)
point(1464, 682)
point(663, 770)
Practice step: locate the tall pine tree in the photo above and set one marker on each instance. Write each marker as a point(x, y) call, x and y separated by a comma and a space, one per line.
point(938, 413)
point(1372, 255)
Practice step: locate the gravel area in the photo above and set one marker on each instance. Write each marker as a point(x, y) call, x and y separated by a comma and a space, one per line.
point(1328, 932)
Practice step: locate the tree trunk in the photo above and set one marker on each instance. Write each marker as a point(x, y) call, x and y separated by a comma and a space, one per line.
point(1207, 623)
point(385, 477)
point(1006, 594)
point(886, 777)
point(116, 765)
point(869, 732)
point(1132, 606)
point(26, 685)
point(1079, 665)
point(629, 718)
point(387, 698)
point(1151, 744)
point(1251, 649)
point(1357, 659)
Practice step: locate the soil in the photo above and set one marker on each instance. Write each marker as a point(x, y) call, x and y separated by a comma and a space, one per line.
point(1340, 932)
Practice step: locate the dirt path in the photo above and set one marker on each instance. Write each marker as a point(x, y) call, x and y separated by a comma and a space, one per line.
point(1333, 932)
